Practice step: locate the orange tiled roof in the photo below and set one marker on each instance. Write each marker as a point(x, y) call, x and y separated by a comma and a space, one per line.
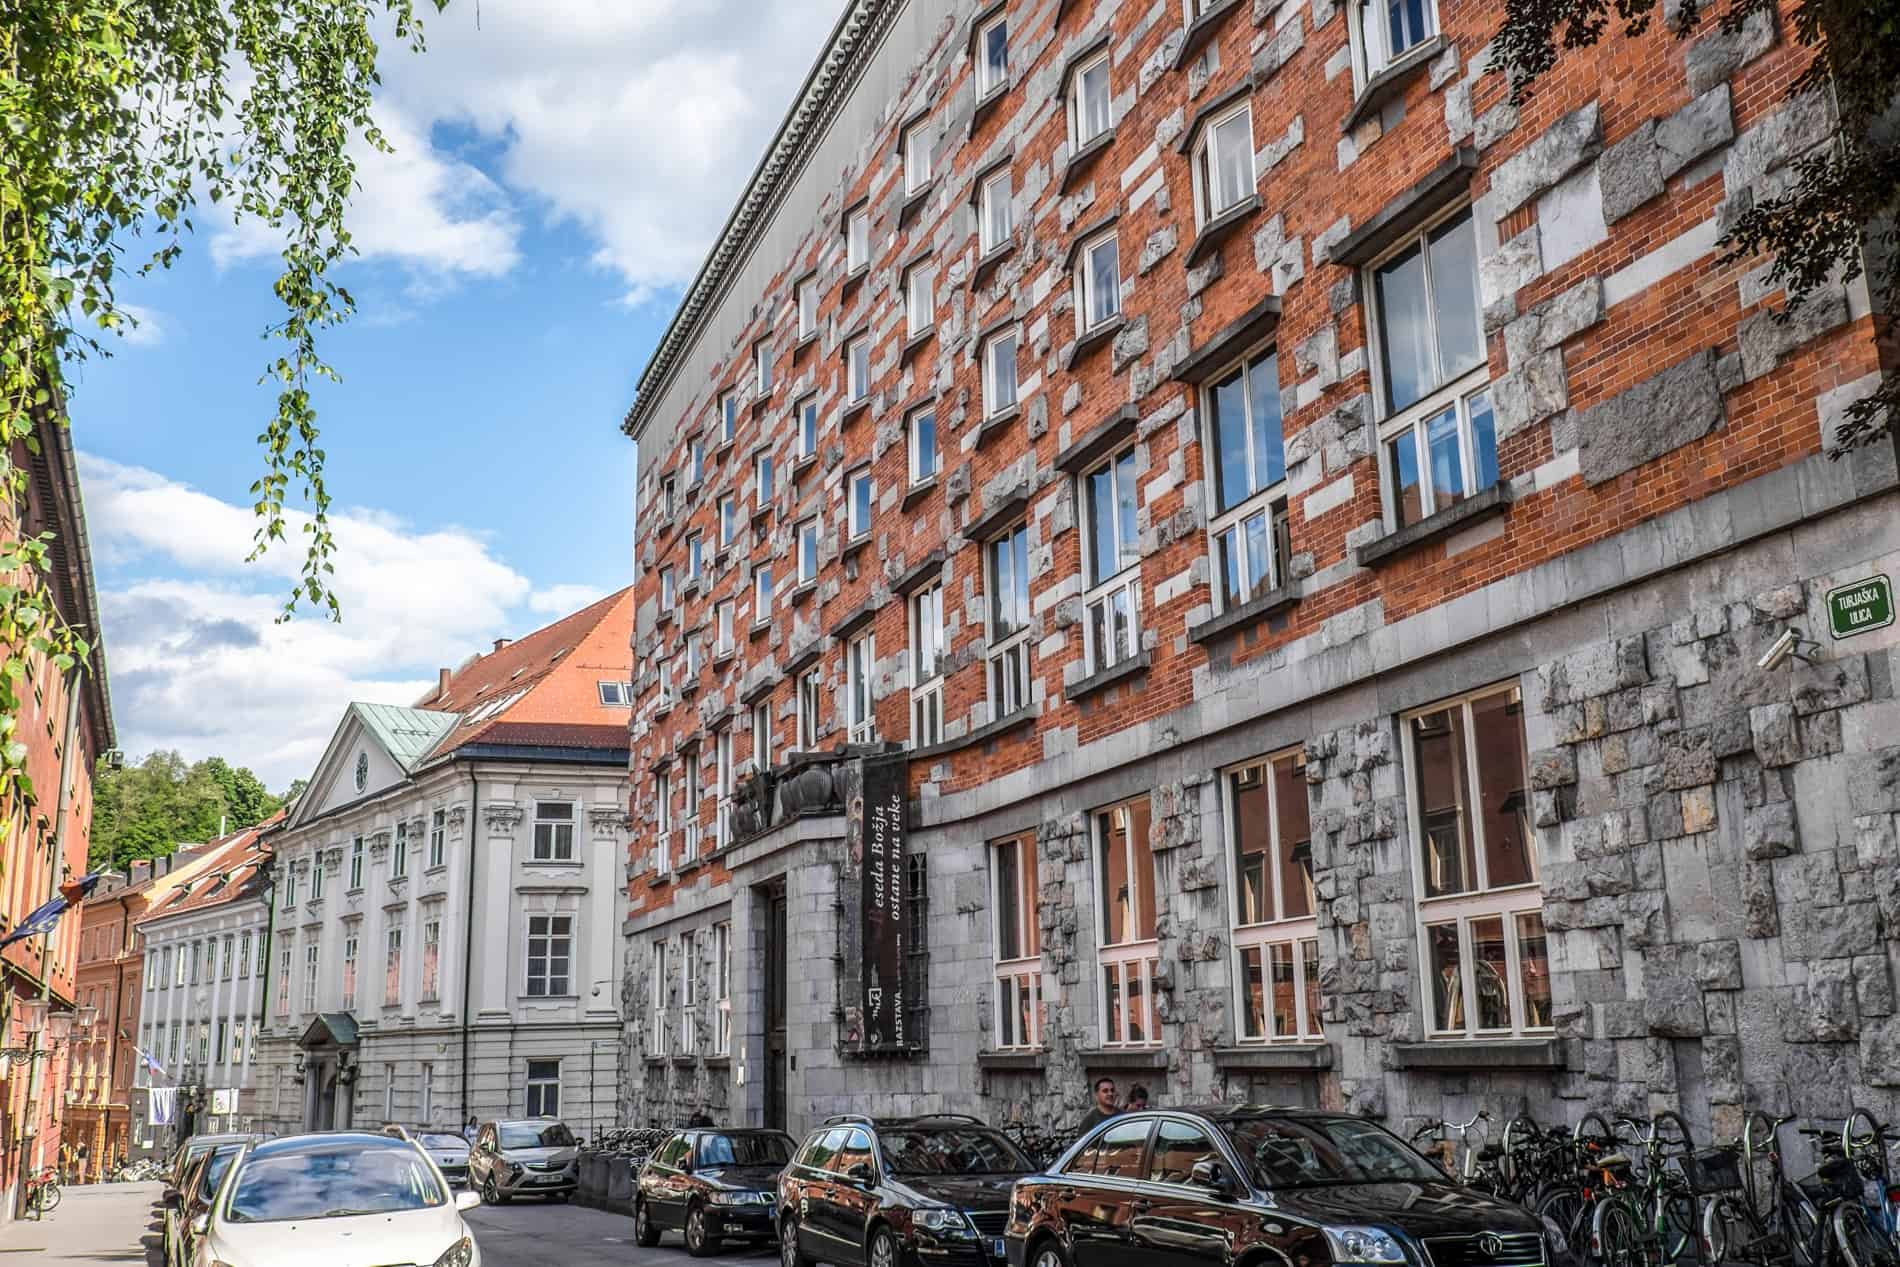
point(224, 874)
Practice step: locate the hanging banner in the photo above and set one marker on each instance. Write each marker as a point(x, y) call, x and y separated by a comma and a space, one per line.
point(163, 1100)
point(224, 1102)
point(878, 816)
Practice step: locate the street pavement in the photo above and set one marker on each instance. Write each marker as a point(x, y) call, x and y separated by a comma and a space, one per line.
point(533, 1234)
point(95, 1224)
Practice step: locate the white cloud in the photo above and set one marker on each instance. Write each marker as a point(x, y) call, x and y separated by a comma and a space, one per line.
point(143, 328)
point(196, 657)
point(559, 600)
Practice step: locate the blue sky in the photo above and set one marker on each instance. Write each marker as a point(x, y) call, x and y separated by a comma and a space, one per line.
point(559, 174)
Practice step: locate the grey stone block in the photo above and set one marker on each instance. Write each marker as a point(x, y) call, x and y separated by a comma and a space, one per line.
point(1716, 56)
point(1657, 416)
point(1694, 130)
point(1770, 831)
point(1530, 393)
point(1630, 172)
point(1566, 145)
point(1765, 338)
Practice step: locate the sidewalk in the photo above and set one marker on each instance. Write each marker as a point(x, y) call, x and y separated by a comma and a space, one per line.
point(98, 1224)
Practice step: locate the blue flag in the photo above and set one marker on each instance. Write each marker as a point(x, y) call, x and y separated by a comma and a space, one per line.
point(45, 917)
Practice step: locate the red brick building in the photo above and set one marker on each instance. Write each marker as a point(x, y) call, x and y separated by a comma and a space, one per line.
point(1313, 528)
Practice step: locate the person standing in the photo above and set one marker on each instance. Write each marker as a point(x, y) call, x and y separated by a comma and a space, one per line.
point(1105, 1105)
point(1137, 1099)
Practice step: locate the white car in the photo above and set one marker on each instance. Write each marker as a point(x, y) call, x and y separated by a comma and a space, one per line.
point(336, 1200)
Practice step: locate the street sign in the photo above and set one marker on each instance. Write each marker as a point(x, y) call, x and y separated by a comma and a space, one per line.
point(1860, 607)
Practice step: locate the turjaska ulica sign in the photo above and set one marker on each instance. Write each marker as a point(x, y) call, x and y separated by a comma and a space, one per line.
point(1860, 607)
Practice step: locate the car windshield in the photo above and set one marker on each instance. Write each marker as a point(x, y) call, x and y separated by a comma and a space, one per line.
point(952, 1150)
point(536, 1135)
point(454, 1142)
point(1309, 1152)
point(744, 1150)
point(333, 1183)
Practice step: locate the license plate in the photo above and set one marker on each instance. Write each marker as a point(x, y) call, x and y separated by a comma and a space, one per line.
point(996, 1248)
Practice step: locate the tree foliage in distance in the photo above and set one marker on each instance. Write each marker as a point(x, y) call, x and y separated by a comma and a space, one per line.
point(118, 120)
point(1837, 218)
point(149, 809)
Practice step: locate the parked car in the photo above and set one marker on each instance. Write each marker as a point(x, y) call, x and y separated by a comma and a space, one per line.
point(339, 1199)
point(897, 1192)
point(531, 1157)
point(193, 1195)
point(711, 1185)
point(449, 1151)
point(197, 1146)
point(1192, 1188)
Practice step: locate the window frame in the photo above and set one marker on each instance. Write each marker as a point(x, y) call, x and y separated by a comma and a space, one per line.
point(1271, 502)
point(1082, 279)
point(352, 953)
point(722, 787)
point(356, 863)
point(429, 989)
point(1140, 953)
point(1506, 903)
point(541, 1096)
point(806, 315)
point(728, 416)
point(807, 531)
point(695, 557)
point(992, 408)
point(728, 511)
point(763, 480)
point(858, 520)
point(669, 593)
point(1022, 974)
point(1010, 658)
point(1371, 51)
point(439, 828)
point(1076, 106)
point(689, 994)
point(857, 240)
point(920, 316)
point(659, 1026)
point(857, 369)
point(927, 660)
point(557, 932)
point(806, 413)
point(1204, 167)
point(392, 966)
point(761, 592)
point(860, 669)
point(724, 639)
point(915, 451)
point(989, 207)
point(722, 988)
point(917, 173)
point(762, 368)
point(1297, 934)
point(810, 703)
point(553, 853)
point(762, 735)
point(399, 852)
point(989, 78)
point(1125, 582)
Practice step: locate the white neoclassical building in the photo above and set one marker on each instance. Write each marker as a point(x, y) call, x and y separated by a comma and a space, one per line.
point(445, 922)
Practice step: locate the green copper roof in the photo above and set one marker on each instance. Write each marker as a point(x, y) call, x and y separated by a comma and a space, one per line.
point(407, 733)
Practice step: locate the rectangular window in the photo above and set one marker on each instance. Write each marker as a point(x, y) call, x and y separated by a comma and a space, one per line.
point(244, 957)
point(1276, 938)
point(196, 950)
point(1125, 885)
point(722, 989)
point(999, 374)
point(762, 476)
point(550, 953)
point(762, 364)
point(356, 863)
point(761, 593)
point(310, 978)
point(916, 156)
point(431, 960)
point(808, 697)
point(689, 996)
point(807, 551)
point(283, 982)
point(439, 827)
point(920, 298)
point(668, 600)
point(667, 500)
point(857, 240)
point(399, 853)
point(426, 1082)
point(926, 667)
point(858, 502)
point(992, 56)
point(1018, 950)
point(1480, 910)
point(1223, 164)
point(1111, 607)
point(808, 308)
point(178, 977)
point(728, 417)
point(553, 831)
point(857, 370)
point(722, 628)
point(658, 1029)
point(662, 804)
point(222, 1046)
point(698, 451)
point(1439, 437)
point(316, 879)
point(722, 788)
point(290, 884)
point(1008, 648)
point(808, 427)
point(1089, 101)
point(693, 557)
point(392, 968)
point(762, 735)
point(544, 1088)
point(860, 660)
point(994, 215)
point(227, 957)
point(1248, 456)
point(349, 968)
point(1388, 28)
point(921, 428)
point(1098, 282)
point(728, 519)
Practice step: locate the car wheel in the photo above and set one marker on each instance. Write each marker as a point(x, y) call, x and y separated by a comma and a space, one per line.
point(882, 1251)
point(491, 1192)
point(1049, 1253)
point(789, 1255)
point(644, 1233)
point(699, 1241)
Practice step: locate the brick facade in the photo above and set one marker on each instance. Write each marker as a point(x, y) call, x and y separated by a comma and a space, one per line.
point(1661, 509)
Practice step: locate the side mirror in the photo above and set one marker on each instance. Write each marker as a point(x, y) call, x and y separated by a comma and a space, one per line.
point(171, 1198)
point(466, 1200)
point(1209, 1173)
point(200, 1225)
point(860, 1173)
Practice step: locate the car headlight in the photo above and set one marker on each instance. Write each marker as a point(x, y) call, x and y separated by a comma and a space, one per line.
point(1363, 1245)
point(943, 1220)
point(737, 1198)
point(460, 1254)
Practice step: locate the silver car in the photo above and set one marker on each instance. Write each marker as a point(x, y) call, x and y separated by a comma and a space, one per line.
point(449, 1151)
point(525, 1157)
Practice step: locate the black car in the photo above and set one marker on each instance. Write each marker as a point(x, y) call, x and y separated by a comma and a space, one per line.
point(712, 1185)
point(899, 1192)
point(1198, 1187)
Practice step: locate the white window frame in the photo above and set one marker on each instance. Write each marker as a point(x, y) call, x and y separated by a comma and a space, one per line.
point(1139, 957)
point(667, 497)
point(399, 852)
point(1206, 166)
point(1022, 976)
point(312, 956)
point(1297, 936)
point(807, 415)
point(1011, 670)
point(316, 895)
point(658, 1025)
point(663, 804)
point(1505, 903)
point(356, 862)
point(549, 933)
point(694, 660)
point(860, 666)
point(689, 995)
point(993, 404)
point(695, 557)
point(669, 596)
point(430, 989)
point(537, 1090)
point(1088, 298)
point(927, 661)
point(806, 544)
point(859, 512)
point(698, 451)
point(1269, 503)
point(728, 417)
point(439, 827)
point(994, 204)
point(920, 297)
point(762, 735)
point(1371, 41)
point(723, 643)
point(722, 788)
point(1081, 131)
point(284, 960)
point(392, 967)
point(924, 459)
point(762, 477)
point(1119, 593)
point(762, 367)
point(857, 369)
point(857, 240)
point(991, 78)
point(761, 593)
point(807, 304)
point(722, 988)
point(352, 946)
point(728, 519)
point(244, 957)
point(613, 694)
point(917, 156)
point(553, 852)
point(810, 702)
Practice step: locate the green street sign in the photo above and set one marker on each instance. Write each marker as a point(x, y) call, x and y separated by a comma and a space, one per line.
point(1857, 608)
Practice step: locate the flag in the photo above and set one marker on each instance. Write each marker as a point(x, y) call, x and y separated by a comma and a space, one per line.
point(150, 1062)
point(45, 916)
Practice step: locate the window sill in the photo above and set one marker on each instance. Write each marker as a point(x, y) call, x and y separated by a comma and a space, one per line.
point(1001, 726)
point(987, 103)
point(803, 462)
point(850, 548)
point(1202, 30)
point(665, 617)
point(1391, 81)
point(1124, 1058)
point(914, 200)
point(916, 342)
point(760, 628)
point(1251, 328)
point(918, 491)
point(1495, 500)
point(720, 657)
point(1084, 158)
point(802, 592)
point(996, 424)
point(805, 341)
point(1268, 605)
point(762, 510)
point(1101, 680)
point(1270, 1056)
point(685, 1062)
point(856, 619)
point(1444, 185)
point(688, 690)
point(353, 891)
point(1500, 1053)
point(987, 264)
point(1220, 228)
point(718, 1062)
point(655, 1061)
point(853, 276)
point(440, 868)
point(1095, 338)
point(852, 409)
point(1108, 435)
point(1011, 1061)
point(551, 862)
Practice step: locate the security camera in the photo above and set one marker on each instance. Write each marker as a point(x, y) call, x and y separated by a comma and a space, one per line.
point(1789, 644)
point(596, 991)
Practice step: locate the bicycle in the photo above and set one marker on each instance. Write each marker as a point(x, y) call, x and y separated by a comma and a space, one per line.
point(42, 1192)
point(1479, 1167)
point(1868, 1151)
point(1588, 1165)
point(1651, 1220)
point(1818, 1221)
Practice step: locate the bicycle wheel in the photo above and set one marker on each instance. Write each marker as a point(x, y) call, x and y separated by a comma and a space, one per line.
point(1758, 1167)
point(1724, 1228)
point(1562, 1211)
point(1857, 1240)
point(46, 1198)
point(1678, 1225)
point(1616, 1234)
point(1518, 1132)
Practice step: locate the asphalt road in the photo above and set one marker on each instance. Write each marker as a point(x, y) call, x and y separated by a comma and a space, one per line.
point(534, 1234)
